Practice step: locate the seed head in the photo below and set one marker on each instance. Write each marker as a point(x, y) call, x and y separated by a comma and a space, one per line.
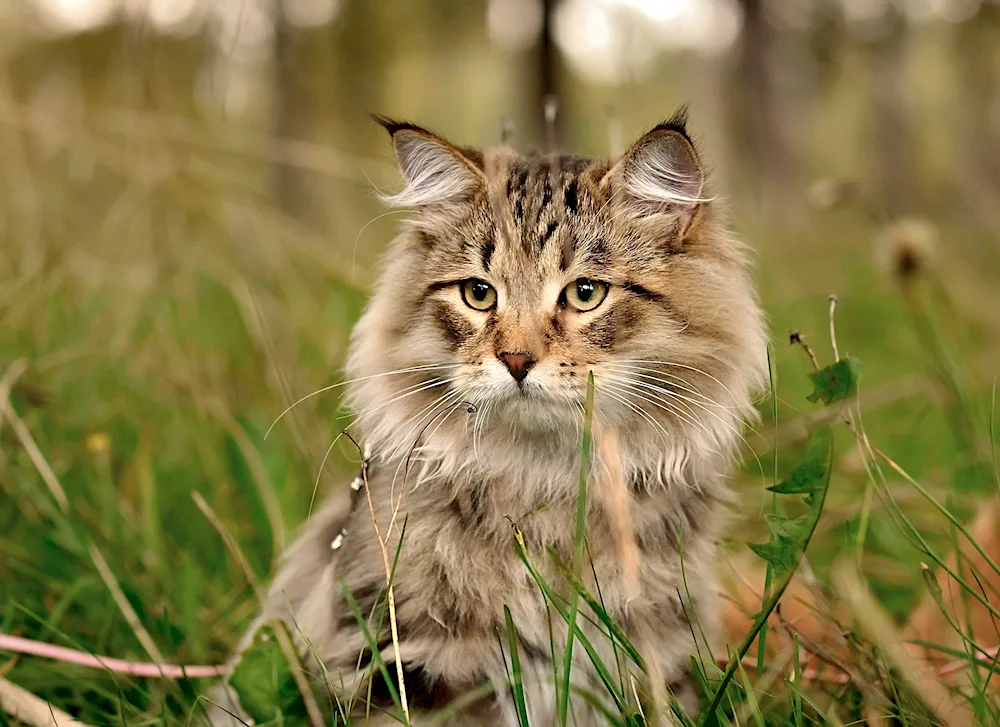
point(907, 246)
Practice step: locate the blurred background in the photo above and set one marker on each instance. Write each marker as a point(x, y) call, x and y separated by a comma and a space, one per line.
point(189, 229)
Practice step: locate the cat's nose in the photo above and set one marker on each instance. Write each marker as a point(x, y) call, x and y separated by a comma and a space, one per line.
point(518, 364)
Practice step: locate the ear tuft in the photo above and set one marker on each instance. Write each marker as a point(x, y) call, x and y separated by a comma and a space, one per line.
point(677, 122)
point(436, 172)
point(392, 125)
point(661, 173)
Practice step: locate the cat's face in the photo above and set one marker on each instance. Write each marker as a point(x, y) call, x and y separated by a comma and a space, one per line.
point(519, 275)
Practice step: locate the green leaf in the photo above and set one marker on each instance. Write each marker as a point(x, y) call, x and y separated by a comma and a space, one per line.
point(783, 549)
point(836, 382)
point(789, 539)
point(789, 536)
point(264, 681)
point(810, 475)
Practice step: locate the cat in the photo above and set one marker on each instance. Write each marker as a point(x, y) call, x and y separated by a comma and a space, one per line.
point(516, 277)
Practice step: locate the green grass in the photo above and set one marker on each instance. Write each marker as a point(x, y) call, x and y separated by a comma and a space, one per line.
point(164, 322)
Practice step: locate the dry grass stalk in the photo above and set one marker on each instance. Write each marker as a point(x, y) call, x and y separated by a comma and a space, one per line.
point(383, 544)
point(618, 503)
point(25, 707)
point(876, 624)
point(313, 712)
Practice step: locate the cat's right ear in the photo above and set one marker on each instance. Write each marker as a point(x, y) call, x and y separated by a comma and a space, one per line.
point(436, 172)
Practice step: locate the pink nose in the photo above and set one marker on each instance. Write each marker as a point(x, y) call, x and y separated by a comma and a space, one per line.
point(518, 364)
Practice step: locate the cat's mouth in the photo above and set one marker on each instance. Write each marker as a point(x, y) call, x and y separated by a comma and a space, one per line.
point(529, 401)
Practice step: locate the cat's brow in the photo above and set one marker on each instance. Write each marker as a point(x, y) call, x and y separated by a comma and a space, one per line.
point(543, 195)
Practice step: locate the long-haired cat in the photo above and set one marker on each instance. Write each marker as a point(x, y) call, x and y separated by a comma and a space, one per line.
point(515, 277)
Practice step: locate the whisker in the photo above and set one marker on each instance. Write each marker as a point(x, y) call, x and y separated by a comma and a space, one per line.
point(683, 366)
point(686, 414)
point(419, 417)
point(319, 475)
point(609, 390)
point(440, 405)
point(683, 399)
point(427, 415)
point(668, 407)
point(670, 393)
point(702, 404)
point(477, 430)
point(354, 252)
point(409, 391)
point(676, 382)
point(450, 409)
point(352, 381)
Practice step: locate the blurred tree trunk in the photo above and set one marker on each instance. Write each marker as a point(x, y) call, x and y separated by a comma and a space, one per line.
point(893, 142)
point(764, 124)
point(291, 116)
point(977, 119)
point(549, 134)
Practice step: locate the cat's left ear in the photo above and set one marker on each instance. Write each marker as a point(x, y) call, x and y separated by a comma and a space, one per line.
point(660, 175)
point(437, 173)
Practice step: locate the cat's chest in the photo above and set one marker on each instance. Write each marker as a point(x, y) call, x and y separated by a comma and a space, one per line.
point(476, 557)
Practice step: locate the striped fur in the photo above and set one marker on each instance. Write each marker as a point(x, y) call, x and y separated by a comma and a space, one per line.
point(472, 450)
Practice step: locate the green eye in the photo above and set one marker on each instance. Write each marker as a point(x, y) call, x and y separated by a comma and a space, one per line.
point(584, 294)
point(479, 294)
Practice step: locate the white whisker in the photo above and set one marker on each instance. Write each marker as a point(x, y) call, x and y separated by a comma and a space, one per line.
point(675, 381)
point(348, 383)
point(404, 393)
point(319, 475)
point(440, 406)
point(684, 366)
point(661, 397)
point(623, 386)
point(420, 417)
point(610, 390)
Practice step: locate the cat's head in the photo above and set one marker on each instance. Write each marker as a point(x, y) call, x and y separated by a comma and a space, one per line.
point(517, 275)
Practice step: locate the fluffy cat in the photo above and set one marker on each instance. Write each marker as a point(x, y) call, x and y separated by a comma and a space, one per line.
point(514, 278)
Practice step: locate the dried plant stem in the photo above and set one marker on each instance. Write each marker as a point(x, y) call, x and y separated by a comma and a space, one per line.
point(118, 595)
point(25, 707)
point(387, 564)
point(231, 545)
point(20, 645)
point(10, 377)
point(13, 372)
point(833, 327)
point(795, 338)
point(618, 503)
point(258, 472)
point(313, 712)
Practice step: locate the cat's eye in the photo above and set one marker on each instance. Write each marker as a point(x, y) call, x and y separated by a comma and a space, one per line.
point(584, 294)
point(479, 294)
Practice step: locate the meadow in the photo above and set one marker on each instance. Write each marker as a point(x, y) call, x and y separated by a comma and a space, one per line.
point(159, 310)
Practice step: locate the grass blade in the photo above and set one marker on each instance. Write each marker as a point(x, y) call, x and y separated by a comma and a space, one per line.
point(586, 447)
point(515, 667)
